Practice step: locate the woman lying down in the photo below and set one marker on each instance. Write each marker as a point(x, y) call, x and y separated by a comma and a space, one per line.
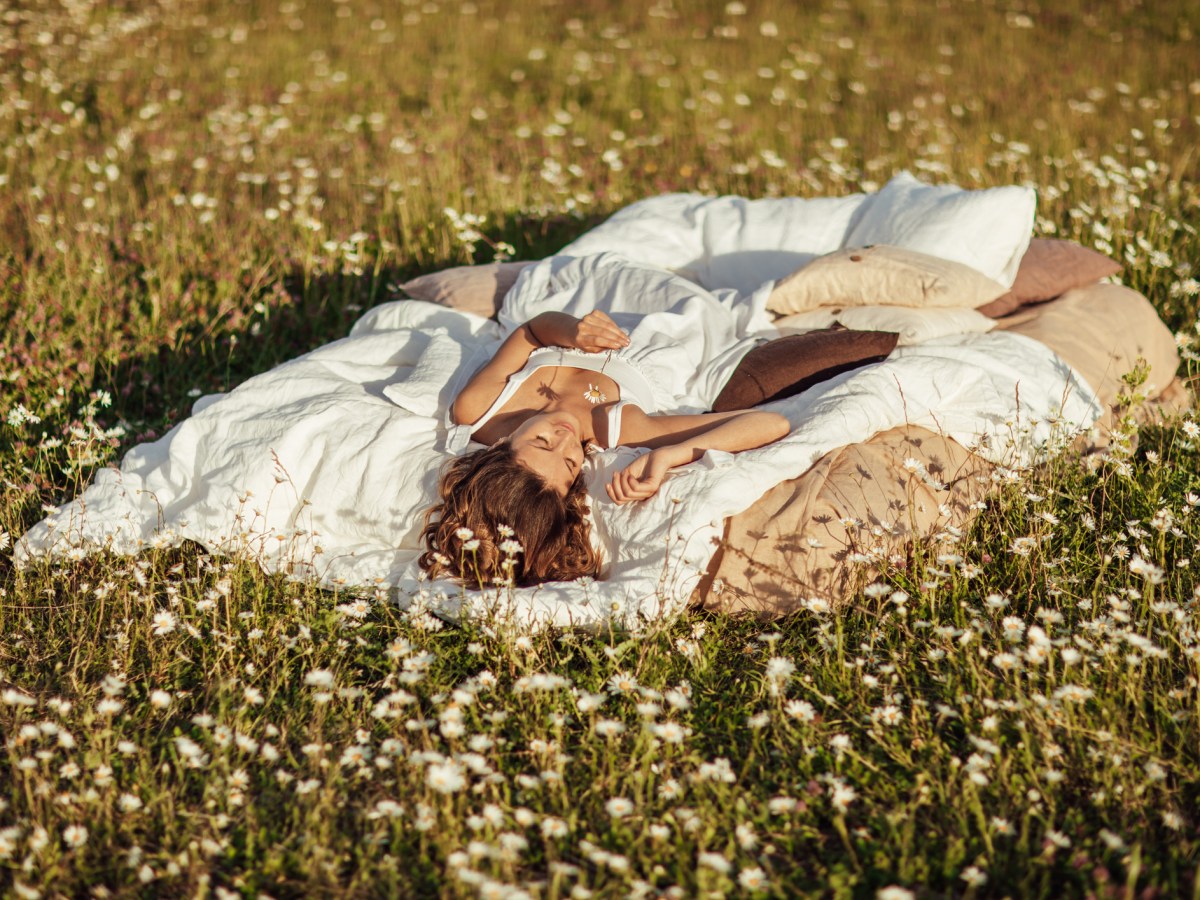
point(561, 386)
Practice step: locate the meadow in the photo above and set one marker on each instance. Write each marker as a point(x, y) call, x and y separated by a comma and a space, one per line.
point(193, 191)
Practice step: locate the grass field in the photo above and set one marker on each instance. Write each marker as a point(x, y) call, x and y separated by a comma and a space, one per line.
point(192, 192)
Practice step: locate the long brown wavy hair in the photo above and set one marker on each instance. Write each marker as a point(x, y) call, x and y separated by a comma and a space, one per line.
point(489, 491)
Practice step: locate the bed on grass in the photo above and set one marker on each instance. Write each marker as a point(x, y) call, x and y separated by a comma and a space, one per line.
point(322, 467)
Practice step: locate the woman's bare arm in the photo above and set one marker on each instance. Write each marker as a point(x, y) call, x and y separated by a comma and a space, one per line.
point(595, 332)
point(732, 432)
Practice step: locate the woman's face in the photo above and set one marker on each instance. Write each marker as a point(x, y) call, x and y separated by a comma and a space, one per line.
point(549, 445)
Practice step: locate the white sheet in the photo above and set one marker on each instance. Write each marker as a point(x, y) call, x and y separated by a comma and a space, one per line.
point(323, 467)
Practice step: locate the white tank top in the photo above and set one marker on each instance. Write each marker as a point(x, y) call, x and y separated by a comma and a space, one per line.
point(634, 386)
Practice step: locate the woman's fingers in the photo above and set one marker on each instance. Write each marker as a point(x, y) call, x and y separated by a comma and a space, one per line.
point(627, 485)
point(598, 332)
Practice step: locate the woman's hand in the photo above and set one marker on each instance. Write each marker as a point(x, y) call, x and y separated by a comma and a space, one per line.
point(594, 333)
point(642, 477)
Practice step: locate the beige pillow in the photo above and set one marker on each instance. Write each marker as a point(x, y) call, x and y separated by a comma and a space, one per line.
point(1049, 269)
point(882, 275)
point(474, 289)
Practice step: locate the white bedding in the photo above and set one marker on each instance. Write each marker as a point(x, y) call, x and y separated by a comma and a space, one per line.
point(323, 467)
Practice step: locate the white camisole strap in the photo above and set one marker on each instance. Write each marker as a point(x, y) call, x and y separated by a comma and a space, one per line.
point(614, 422)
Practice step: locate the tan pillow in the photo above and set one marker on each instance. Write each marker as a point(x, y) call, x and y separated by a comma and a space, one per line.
point(882, 276)
point(1049, 269)
point(474, 289)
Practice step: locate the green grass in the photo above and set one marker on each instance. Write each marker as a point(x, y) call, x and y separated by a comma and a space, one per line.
point(193, 192)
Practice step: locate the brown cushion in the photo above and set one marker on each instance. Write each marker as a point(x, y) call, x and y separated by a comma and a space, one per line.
point(1049, 269)
point(789, 365)
point(882, 275)
point(474, 289)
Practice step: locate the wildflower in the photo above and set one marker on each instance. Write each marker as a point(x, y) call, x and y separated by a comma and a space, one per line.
point(1013, 629)
point(1172, 820)
point(779, 669)
point(841, 795)
point(781, 805)
point(446, 778)
point(75, 836)
point(191, 752)
point(840, 743)
point(714, 861)
point(973, 876)
point(759, 720)
point(163, 622)
point(109, 706)
point(1021, 546)
point(1058, 839)
point(160, 699)
point(322, 678)
point(253, 696)
point(618, 807)
point(358, 608)
point(1073, 693)
point(671, 732)
point(894, 892)
point(622, 683)
point(554, 827)
point(1006, 662)
point(888, 715)
point(464, 534)
point(1001, 826)
point(746, 837)
point(752, 879)
point(1152, 573)
point(801, 710)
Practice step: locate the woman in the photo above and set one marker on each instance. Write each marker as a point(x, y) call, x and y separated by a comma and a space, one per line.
point(604, 352)
point(558, 386)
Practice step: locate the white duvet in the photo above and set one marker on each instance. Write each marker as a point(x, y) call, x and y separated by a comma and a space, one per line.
point(323, 467)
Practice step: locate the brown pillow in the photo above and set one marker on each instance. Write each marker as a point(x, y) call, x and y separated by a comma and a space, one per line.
point(789, 365)
point(882, 275)
point(474, 289)
point(1048, 269)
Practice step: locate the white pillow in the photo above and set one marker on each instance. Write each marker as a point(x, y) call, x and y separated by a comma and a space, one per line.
point(748, 242)
point(723, 242)
point(988, 230)
point(811, 320)
point(915, 325)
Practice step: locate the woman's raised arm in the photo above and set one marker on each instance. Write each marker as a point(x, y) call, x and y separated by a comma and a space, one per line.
point(595, 333)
